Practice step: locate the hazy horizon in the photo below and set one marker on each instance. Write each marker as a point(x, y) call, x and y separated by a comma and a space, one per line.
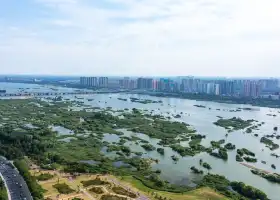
point(206, 38)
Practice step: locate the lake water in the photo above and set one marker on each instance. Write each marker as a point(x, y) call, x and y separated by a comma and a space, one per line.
point(202, 120)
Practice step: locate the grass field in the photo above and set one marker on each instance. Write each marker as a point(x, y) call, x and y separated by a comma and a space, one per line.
point(128, 181)
point(74, 184)
point(198, 194)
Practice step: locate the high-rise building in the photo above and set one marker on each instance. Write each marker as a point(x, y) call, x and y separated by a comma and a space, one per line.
point(145, 83)
point(246, 88)
point(255, 89)
point(93, 81)
point(112, 84)
point(188, 84)
point(238, 86)
point(217, 89)
point(132, 84)
point(211, 88)
point(124, 83)
point(156, 85)
point(89, 81)
point(222, 87)
point(82, 80)
point(103, 82)
point(229, 88)
point(270, 84)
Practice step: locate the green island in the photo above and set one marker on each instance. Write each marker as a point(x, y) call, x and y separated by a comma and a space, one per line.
point(160, 151)
point(245, 151)
point(174, 158)
point(196, 171)
point(217, 144)
point(148, 147)
point(200, 106)
point(250, 159)
point(222, 154)
point(238, 158)
point(206, 165)
point(30, 130)
point(143, 101)
point(270, 144)
point(230, 146)
point(275, 178)
point(122, 99)
point(234, 123)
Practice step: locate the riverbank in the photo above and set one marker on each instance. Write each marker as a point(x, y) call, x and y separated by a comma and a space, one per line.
point(262, 102)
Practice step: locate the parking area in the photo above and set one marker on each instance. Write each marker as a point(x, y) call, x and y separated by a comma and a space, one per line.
point(17, 188)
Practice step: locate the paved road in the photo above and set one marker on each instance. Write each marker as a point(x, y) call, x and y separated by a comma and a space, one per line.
point(17, 188)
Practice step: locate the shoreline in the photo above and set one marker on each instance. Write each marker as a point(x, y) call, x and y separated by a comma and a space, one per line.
point(255, 102)
point(260, 170)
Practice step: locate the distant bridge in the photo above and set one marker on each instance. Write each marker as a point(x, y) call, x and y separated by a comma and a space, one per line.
point(39, 94)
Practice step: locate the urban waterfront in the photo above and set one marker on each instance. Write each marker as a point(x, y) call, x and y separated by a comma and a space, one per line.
point(254, 88)
point(201, 119)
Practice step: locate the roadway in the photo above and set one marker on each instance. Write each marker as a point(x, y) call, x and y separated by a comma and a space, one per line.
point(15, 184)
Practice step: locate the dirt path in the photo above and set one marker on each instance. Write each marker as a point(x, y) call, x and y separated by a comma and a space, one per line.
point(88, 194)
point(252, 167)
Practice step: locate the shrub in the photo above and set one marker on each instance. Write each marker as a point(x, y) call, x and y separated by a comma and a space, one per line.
point(249, 159)
point(63, 188)
point(248, 191)
point(97, 190)
point(96, 181)
point(196, 171)
point(44, 177)
point(122, 191)
point(206, 165)
point(160, 151)
point(238, 158)
point(148, 147)
point(230, 146)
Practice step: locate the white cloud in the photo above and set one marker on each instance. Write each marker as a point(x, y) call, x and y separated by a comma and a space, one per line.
point(159, 37)
point(61, 22)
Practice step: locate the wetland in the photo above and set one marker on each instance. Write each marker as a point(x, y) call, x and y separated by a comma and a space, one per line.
point(143, 135)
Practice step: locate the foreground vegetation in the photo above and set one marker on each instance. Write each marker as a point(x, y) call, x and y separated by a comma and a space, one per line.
point(3, 191)
point(35, 189)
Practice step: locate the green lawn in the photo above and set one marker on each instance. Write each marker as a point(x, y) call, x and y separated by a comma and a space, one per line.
point(198, 194)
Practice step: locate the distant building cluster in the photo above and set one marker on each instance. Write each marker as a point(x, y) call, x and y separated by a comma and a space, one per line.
point(227, 87)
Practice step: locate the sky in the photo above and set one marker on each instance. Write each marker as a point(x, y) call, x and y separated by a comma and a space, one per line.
point(140, 37)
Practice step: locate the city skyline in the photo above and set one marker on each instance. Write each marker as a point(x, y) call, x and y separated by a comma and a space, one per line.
point(140, 38)
point(254, 88)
